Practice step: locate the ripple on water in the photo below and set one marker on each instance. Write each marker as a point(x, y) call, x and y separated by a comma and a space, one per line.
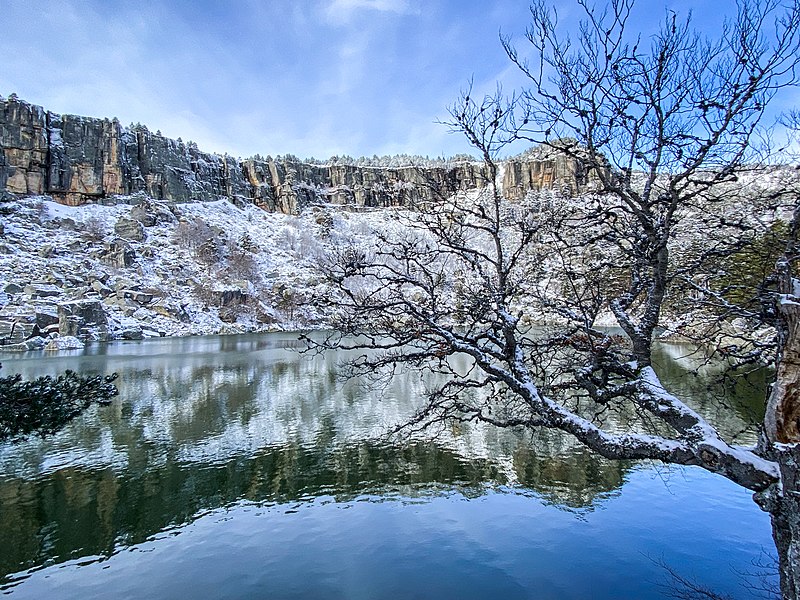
point(499, 544)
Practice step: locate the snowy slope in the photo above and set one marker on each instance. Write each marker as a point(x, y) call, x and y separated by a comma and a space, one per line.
point(200, 268)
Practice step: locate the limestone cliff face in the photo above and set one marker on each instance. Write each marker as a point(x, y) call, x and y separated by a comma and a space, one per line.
point(77, 160)
point(546, 168)
point(24, 143)
point(287, 186)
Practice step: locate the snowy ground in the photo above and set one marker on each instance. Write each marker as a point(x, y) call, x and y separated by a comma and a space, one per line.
point(148, 268)
point(159, 269)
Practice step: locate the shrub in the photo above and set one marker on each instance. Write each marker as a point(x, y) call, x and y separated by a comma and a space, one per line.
point(242, 265)
point(192, 234)
point(94, 230)
point(746, 272)
point(46, 404)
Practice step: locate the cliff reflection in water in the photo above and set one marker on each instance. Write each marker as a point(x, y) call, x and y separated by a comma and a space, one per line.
point(202, 423)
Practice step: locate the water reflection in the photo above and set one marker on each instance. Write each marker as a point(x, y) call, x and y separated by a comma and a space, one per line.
point(734, 402)
point(202, 423)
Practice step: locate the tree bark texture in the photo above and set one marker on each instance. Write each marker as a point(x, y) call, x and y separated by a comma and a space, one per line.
point(782, 420)
point(786, 521)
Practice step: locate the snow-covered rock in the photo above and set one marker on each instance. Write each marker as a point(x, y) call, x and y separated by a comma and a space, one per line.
point(201, 268)
point(64, 343)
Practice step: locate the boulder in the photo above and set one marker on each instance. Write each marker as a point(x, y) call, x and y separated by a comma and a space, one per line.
point(15, 329)
point(35, 343)
point(171, 309)
point(98, 275)
point(64, 343)
point(150, 213)
point(101, 288)
point(129, 229)
point(54, 277)
point(46, 317)
point(124, 283)
point(132, 333)
point(230, 297)
point(75, 279)
point(142, 297)
point(136, 296)
point(142, 315)
point(49, 331)
point(118, 254)
point(42, 290)
point(229, 314)
point(84, 319)
point(65, 223)
point(18, 347)
point(143, 214)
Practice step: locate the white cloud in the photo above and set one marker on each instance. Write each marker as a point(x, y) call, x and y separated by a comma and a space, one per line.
point(340, 12)
point(337, 77)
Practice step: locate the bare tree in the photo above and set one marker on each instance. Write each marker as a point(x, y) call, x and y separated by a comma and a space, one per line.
point(665, 129)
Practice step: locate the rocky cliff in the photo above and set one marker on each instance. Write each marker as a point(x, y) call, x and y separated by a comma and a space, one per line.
point(78, 160)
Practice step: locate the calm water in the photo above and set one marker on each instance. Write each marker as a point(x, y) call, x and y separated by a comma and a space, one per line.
point(232, 467)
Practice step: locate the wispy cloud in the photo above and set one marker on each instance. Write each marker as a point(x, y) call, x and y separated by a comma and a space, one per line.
point(339, 12)
point(312, 78)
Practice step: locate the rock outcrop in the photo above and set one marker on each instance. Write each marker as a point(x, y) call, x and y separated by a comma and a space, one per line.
point(78, 160)
point(545, 168)
point(85, 319)
point(288, 186)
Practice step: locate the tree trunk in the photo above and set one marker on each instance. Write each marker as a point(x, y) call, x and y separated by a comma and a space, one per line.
point(782, 421)
point(786, 521)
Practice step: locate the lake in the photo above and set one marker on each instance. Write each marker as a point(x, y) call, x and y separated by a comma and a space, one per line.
point(234, 467)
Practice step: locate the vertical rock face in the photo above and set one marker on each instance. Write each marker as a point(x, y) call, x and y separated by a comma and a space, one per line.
point(23, 146)
point(85, 159)
point(79, 159)
point(3, 172)
point(85, 319)
point(546, 168)
point(288, 186)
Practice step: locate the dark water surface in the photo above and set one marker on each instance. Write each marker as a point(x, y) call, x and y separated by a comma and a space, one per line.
point(232, 467)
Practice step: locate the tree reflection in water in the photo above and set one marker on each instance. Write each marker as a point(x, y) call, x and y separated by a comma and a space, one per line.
point(203, 423)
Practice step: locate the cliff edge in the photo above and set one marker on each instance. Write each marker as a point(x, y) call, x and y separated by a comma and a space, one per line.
point(78, 160)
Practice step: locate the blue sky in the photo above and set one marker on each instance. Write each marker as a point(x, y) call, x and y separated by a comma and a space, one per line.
point(307, 77)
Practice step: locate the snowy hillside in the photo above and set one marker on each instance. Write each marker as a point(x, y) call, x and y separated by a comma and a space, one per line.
point(144, 268)
point(153, 269)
